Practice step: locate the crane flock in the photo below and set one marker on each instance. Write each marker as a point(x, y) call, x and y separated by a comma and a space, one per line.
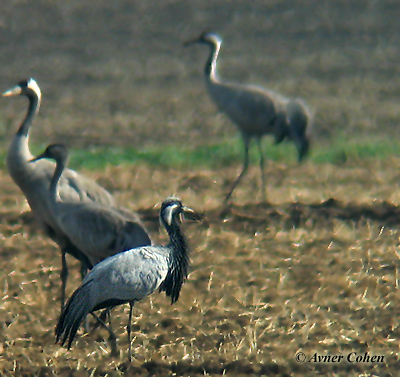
point(86, 222)
point(34, 179)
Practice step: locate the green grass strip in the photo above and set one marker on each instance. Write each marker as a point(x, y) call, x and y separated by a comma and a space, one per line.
point(225, 154)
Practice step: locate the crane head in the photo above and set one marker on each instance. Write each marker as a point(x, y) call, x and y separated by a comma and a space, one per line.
point(56, 152)
point(172, 211)
point(204, 38)
point(24, 87)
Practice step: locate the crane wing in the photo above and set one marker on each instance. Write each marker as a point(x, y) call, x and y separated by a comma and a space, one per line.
point(131, 275)
point(249, 107)
point(99, 231)
point(85, 188)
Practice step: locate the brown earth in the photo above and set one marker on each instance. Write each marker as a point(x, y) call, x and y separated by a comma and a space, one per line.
point(268, 280)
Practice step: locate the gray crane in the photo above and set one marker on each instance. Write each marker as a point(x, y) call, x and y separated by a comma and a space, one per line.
point(34, 179)
point(255, 111)
point(98, 231)
point(130, 276)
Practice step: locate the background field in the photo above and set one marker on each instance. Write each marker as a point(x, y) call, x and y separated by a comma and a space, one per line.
point(315, 269)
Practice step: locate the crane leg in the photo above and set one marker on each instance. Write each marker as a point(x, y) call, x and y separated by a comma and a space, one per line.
point(64, 277)
point(243, 172)
point(263, 188)
point(128, 330)
point(112, 339)
point(105, 315)
point(84, 270)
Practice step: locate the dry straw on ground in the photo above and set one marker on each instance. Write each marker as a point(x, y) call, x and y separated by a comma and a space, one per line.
point(267, 282)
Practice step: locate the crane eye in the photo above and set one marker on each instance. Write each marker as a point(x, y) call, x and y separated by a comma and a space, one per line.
point(23, 84)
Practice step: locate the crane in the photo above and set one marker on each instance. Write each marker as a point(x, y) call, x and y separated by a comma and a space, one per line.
point(98, 231)
point(255, 111)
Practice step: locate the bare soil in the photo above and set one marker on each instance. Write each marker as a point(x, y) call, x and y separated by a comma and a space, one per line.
point(268, 279)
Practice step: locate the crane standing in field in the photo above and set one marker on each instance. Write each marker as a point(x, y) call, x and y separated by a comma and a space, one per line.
point(130, 276)
point(34, 179)
point(255, 111)
point(98, 231)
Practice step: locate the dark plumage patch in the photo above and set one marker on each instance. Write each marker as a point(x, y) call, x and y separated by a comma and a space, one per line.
point(109, 304)
point(24, 83)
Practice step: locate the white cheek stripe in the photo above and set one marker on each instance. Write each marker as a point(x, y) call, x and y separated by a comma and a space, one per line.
point(35, 87)
point(169, 211)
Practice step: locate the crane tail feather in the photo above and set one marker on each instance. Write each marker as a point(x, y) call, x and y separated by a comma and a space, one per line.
point(76, 310)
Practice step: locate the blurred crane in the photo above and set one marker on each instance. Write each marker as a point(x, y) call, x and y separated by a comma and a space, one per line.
point(96, 230)
point(255, 111)
point(131, 276)
point(34, 179)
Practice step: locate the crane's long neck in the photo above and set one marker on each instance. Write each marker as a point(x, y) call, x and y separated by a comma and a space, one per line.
point(34, 104)
point(211, 64)
point(53, 190)
point(19, 153)
point(179, 261)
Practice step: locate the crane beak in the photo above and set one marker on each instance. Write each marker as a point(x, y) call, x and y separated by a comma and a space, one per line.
point(189, 214)
point(191, 42)
point(13, 92)
point(37, 158)
point(187, 210)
